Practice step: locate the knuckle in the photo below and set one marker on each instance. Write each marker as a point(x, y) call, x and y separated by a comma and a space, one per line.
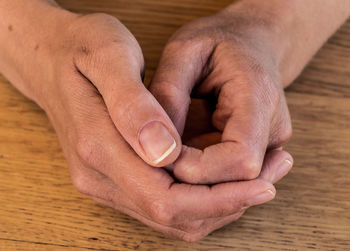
point(251, 167)
point(282, 134)
point(80, 182)
point(87, 151)
point(285, 137)
point(95, 49)
point(287, 133)
point(191, 168)
point(90, 56)
point(190, 175)
point(161, 212)
point(93, 20)
point(188, 47)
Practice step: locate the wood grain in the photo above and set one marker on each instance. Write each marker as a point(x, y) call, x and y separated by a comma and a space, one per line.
point(40, 209)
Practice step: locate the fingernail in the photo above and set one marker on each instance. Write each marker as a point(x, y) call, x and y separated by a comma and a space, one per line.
point(156, 141)
point(282, 170)
point(260, 198)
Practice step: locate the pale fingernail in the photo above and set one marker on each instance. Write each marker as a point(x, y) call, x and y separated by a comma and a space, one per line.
point(260, 198)
point(282, 170)
point(156, 141)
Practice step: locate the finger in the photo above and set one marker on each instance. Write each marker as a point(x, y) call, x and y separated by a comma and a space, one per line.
point(93, 183)
point(244, 194)
point(196, 202)
point(189, 231)
point(98, 170)
point(249, 112)
point(136, 114)
point(102, 190)
point(195, 230)
point(101, 161)
point(198, 229)
point(90, 133)
point(213, 224)
point(184, 169)
point(277, 164)
point(244, 111)
point(181, 66)
point(151, 190)
point(242, 118)
point(167, 204)
point(240, 154)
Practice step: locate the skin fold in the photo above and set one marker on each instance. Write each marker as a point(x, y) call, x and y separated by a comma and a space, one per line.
point(241, 57)
point(86, 71)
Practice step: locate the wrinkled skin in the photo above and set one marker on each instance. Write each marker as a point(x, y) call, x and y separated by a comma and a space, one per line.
point(231, 61)
point(81, 85)
point(86, 71)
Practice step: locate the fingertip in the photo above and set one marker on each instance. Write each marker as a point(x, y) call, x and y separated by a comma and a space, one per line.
point(161, 144)
point(267, 186)
point(174, 100)
point(283, 169)
point(165, 154)
point(277, 164)
point(187, 168)
point(169, 156)
point(266, 194)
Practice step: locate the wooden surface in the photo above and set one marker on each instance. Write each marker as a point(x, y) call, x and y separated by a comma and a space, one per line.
point(40, 209)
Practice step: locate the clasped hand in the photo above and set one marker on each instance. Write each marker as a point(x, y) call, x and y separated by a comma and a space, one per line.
point(117, 135)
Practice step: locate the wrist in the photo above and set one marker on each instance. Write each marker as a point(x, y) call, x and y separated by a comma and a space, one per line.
point(31, 30)
point(269, 26)
point(296, 30)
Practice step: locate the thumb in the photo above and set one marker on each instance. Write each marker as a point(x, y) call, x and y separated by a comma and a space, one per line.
point(135, 112)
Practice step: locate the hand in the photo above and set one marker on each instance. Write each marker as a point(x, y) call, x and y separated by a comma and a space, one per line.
point(231, 58)
point(85, 71)
point(96, 60)
point(102, 90)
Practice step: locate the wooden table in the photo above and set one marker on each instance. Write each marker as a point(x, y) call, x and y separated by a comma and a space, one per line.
point(41, 210)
